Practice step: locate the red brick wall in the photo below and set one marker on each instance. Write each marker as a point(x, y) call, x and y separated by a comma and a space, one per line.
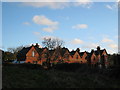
point(105, 57)
point(30, 58)
point(84, 60)
point(76, 58)
point(93, 59)
point(66, 56)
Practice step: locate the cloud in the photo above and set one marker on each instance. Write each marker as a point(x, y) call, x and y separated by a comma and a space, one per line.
point(109, 7)
point(42, 20)
point(52, 5)
point(83, 3)
point(26, 23)
point(111, 51)
point(42, 38)
point(58, 4)
point(80, 26)
point(114, 46)
point(110, 44)
point(36, 33)
point(106, 40)
point(77, 41)
point(113, 6)
point(70, 49)
point(49, 29)
point(90, 45)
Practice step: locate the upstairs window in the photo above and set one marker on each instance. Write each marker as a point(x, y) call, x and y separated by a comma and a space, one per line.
point(33, 53)
point(76, 56)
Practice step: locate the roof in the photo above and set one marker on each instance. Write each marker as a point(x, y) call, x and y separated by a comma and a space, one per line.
point(39, 50)
point(63, 50)
point(81, 53)
point(96, 52)
point(72, 52)
point(99, 52)
point(24, 51)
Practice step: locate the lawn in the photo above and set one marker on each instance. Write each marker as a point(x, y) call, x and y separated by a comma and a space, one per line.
point(61, 76)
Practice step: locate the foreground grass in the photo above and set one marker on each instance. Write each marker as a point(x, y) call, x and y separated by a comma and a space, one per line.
point(20, 76)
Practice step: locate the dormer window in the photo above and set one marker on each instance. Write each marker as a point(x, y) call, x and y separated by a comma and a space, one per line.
point(33, 53)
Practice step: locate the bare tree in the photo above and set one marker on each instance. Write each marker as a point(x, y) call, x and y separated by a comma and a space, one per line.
point(58, 42)
point(52, 43)
point(14, 50)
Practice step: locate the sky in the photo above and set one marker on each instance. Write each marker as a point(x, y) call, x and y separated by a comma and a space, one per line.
point(79, 25)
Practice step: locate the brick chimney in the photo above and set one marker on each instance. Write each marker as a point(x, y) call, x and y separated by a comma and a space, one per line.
point(37, 45)
point(98, 48)
point(78, 50)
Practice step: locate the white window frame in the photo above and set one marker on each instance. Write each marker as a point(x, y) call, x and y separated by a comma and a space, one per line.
point(33, 53)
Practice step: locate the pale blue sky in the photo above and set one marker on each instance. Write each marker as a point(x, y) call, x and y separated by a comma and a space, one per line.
point(78, 25)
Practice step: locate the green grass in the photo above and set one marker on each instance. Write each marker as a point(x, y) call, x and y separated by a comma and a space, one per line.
point(31, 76)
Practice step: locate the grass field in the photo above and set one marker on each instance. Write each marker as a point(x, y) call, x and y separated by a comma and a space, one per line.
point(61, 76)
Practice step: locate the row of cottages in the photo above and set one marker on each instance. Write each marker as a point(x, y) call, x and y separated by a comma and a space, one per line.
point(36, 55)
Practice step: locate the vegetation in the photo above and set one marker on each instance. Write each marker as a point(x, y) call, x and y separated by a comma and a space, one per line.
point(10, 54)
point(60, 76)
point(52, 43)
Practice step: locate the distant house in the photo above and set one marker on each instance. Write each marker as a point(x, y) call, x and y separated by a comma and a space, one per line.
point(36, 55)
point(99, 57)
point(84, 57)
point(75, 57)
point(31, 54)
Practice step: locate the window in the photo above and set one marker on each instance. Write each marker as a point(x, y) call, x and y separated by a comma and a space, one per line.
point(76, 56)
point(33, 53)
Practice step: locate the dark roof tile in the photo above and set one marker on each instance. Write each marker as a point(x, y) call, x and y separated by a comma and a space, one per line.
point(72, 52)
point(24, 51)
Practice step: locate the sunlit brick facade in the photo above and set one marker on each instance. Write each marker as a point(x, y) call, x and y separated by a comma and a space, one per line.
point(36, 55)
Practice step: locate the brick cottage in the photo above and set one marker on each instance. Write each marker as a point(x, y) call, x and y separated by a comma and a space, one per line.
point(36, 55)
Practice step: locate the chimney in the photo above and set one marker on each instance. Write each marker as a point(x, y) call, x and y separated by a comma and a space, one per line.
point(92, 50)
point(78, 50)
point(98, 48)
point(37, 45)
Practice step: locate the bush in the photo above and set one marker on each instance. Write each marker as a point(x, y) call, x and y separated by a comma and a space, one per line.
point(24, 65)
point(69, 66)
